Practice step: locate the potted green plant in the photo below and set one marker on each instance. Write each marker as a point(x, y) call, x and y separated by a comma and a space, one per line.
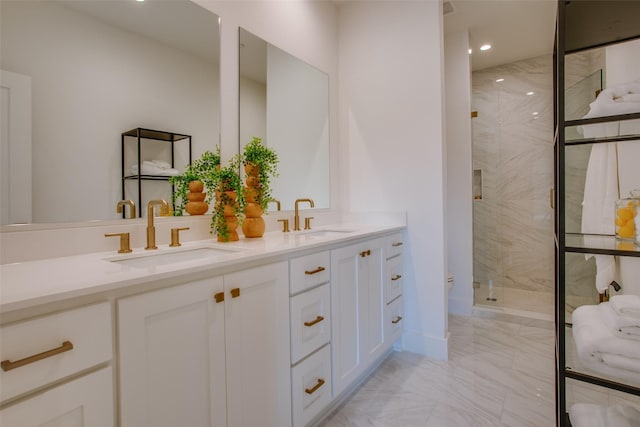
point(261, 164)
point(202, 169)
point(229, 200)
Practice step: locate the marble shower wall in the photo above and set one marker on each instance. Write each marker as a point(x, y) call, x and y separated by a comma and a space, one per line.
point(513, 146)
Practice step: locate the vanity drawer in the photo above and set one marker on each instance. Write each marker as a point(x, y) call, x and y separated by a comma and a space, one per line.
point(395, 311)
point(394, 245)
point(394, 278)
point(309, 271)
point(311, 386)
point(37, 352)
point(310, 322)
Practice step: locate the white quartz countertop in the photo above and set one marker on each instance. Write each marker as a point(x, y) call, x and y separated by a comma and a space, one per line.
point(28, 284)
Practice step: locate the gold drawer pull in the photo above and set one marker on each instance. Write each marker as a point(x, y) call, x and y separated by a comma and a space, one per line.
point(365, 253)
point(313, 322)
point(219, 297)
point(396, 244)
point(317, 270)
point(396, 277)
point(235, 292)
point(8, 365)
point(315, 387)
point(399, 318)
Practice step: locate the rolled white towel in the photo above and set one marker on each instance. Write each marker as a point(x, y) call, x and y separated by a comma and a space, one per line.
point(161, 164)
point(626, 305)
point(591, 415)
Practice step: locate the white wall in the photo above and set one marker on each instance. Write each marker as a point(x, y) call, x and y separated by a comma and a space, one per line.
point(392, 139)
point(459, 171)
point(98, 93)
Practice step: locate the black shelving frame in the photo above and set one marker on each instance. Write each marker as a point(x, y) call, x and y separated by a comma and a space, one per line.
point(139, 134)
point(617, 22)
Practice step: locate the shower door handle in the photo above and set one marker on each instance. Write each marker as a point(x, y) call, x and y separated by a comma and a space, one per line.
point(552, 198)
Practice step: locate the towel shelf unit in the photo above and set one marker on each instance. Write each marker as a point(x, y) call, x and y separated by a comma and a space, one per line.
point(616, 24)
point(139, 135)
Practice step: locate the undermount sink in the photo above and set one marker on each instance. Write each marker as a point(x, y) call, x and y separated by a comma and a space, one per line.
point(145, 260)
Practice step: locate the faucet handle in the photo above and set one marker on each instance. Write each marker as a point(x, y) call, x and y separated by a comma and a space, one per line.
point(175, 236)
point(285, 225)
point(307, 223)
point(124, 242)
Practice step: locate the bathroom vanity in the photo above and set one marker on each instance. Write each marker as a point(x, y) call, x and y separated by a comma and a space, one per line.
point(272, 331)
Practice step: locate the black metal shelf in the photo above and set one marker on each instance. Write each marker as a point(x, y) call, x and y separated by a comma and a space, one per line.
point(155, 135)
point(583, 25)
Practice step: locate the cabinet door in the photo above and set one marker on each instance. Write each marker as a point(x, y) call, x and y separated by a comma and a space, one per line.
point(172, 360)
point(84, 402)
point(357, 310)
point(258, 349)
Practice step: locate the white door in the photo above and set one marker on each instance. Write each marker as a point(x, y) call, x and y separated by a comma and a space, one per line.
point(84, 402)
point(15, 148)
point(258, 347)
point(172, 360)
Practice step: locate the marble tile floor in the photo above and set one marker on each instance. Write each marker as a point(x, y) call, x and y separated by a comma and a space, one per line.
point(500, 372)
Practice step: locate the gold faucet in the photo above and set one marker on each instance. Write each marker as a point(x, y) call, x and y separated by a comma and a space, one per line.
point(151, 229)
point(296, 218)
point(132, 207)
point(276, 201)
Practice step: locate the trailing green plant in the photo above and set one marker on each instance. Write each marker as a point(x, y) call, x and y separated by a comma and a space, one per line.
point(202, 169)
point(224, 180)
point(266, 159)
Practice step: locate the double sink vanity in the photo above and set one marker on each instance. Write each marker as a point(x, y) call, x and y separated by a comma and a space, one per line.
point(273, 331)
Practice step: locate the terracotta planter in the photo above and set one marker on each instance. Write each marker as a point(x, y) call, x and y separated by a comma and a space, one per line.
point(251, 169)
point(195, 197)
point(228, 200)
point(253, 227)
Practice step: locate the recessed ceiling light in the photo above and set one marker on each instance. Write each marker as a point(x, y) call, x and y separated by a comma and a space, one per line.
point(470, 50)
point(499, 80)
point(485, 47)
point(535, 113)
point(140, 1)
point(530, 93)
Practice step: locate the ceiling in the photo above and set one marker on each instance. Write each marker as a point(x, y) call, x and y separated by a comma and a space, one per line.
point(516, 29)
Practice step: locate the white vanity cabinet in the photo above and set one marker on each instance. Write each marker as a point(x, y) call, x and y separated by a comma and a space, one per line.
point(358, 310)
point(213, 352)
point(172, 357)
point(258, 349)
point(393, 289)
point(310, 306)
point(65, 355)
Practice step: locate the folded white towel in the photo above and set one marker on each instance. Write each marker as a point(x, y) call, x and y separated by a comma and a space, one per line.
point(149, 168)
point(631, 97)
point(590, 415)
point(626, 305)
point(623, 326)
point(161, 164)
point(594, 341)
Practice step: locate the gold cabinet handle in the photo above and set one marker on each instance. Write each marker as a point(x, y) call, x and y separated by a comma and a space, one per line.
point(219, 297)
point(396, 244)
point(312, 390)
point(396, 277)
point(235, 292)
point(8, 365)
point(313, 322)
point(399, 318)
point(365, 253)
point(317, 270)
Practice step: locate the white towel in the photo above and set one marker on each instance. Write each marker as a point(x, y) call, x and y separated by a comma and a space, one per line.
point(598, 207)
point(626, 305)
point(590, 415)
point(150, 168)
point(623, 326)
point(595, 342)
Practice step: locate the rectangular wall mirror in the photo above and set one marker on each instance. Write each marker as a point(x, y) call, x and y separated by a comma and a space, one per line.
point(285, 101)
point(97, 69)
